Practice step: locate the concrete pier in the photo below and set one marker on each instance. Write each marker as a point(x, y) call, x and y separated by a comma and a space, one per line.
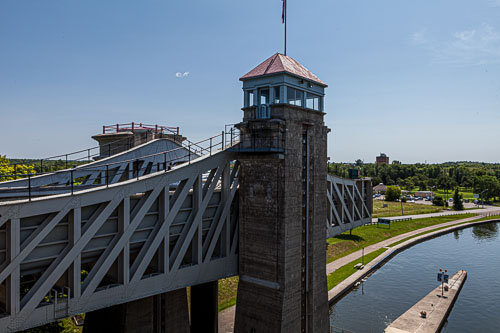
point(163, 313)
point(204, 308)
point(436, 307)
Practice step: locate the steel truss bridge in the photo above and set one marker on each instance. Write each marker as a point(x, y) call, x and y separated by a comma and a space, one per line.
point(155, 218)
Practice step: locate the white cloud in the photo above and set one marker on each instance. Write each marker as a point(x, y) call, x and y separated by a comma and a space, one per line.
point(419, 37)
point(181, 75)
point(468, 47)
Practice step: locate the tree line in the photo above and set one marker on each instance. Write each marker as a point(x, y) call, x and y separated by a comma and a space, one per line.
point(473, 177)
point(19, 168)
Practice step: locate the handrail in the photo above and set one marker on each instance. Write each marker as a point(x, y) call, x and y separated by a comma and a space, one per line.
point(133, 126)
point(88, 157)
point(109, 128)
point(71, 183)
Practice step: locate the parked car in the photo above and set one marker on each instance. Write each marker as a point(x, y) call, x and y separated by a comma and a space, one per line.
point(466, 200)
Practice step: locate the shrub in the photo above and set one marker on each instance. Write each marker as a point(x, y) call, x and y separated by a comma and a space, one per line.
point(438, 201)
point(393, 193)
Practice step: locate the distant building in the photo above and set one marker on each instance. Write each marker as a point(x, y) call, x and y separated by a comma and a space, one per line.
point(383, 158)
point(380, 189)
point(423, 194)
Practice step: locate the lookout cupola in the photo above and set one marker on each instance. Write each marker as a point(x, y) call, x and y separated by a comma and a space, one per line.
point(281, 80)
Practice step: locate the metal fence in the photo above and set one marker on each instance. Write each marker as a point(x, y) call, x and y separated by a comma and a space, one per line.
point(112, 172)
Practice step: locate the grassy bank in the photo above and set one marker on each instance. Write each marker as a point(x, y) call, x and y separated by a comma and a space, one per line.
point(465, 194)
point(487, 218)
point(348, 269)
point(424, 233)
point(344, 244)
point(394, 208)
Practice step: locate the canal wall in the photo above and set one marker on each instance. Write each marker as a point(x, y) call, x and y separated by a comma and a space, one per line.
point(336, 293)
point(435, 306)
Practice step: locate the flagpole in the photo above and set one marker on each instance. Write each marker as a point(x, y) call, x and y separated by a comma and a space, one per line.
point(285, 25)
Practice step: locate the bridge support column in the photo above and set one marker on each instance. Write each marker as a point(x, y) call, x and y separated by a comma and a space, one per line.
point(204, 308)
point(164, 313)
point(282, 250)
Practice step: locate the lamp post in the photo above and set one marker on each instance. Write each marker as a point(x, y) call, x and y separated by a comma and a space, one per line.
point(401, 200)
point(481, 195)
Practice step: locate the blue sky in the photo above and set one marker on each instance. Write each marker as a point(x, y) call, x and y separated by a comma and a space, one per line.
point(418, 80)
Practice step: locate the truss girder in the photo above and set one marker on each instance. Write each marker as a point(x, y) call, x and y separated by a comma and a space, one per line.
point(349, 204)
point(165, 231)
point(96, 173)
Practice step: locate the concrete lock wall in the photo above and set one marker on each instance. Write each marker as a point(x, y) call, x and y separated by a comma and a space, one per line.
point(282, 218)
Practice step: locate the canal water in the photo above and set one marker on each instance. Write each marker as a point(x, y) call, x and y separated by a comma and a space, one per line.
point(410, 275)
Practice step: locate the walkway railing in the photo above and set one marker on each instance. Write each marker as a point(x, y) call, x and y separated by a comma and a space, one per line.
point(92, 176)
point(132, 127)
point(491, 214)
point(84, 155)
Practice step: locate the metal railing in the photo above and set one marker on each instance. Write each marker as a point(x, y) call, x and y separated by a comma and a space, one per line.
point(491, 214)
point(256, 142)
point(132, 127)
point(189, 152)
point(232, 134)
point(84, 155)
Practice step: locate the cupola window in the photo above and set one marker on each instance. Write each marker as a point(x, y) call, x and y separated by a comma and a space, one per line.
point(294, 96)
point(276, 95)
point(251, 101)
point(264, 96)
point(313, 101)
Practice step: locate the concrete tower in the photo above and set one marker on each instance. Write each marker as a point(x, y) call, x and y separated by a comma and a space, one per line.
point(282, 201)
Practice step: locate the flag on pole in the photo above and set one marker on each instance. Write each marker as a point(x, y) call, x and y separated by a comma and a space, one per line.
point(283, 12)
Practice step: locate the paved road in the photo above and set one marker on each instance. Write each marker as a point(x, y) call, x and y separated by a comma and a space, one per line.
point(486, 210)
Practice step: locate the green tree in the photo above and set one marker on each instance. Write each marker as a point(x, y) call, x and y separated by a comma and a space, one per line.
point(376, 180)
point(8, 170)
point(457, 201)
point(392, 193)
point(489, 186)
point(407, 184)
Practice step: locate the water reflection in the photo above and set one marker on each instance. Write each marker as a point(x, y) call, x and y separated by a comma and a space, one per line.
point(457, 234)
point(485, 231)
